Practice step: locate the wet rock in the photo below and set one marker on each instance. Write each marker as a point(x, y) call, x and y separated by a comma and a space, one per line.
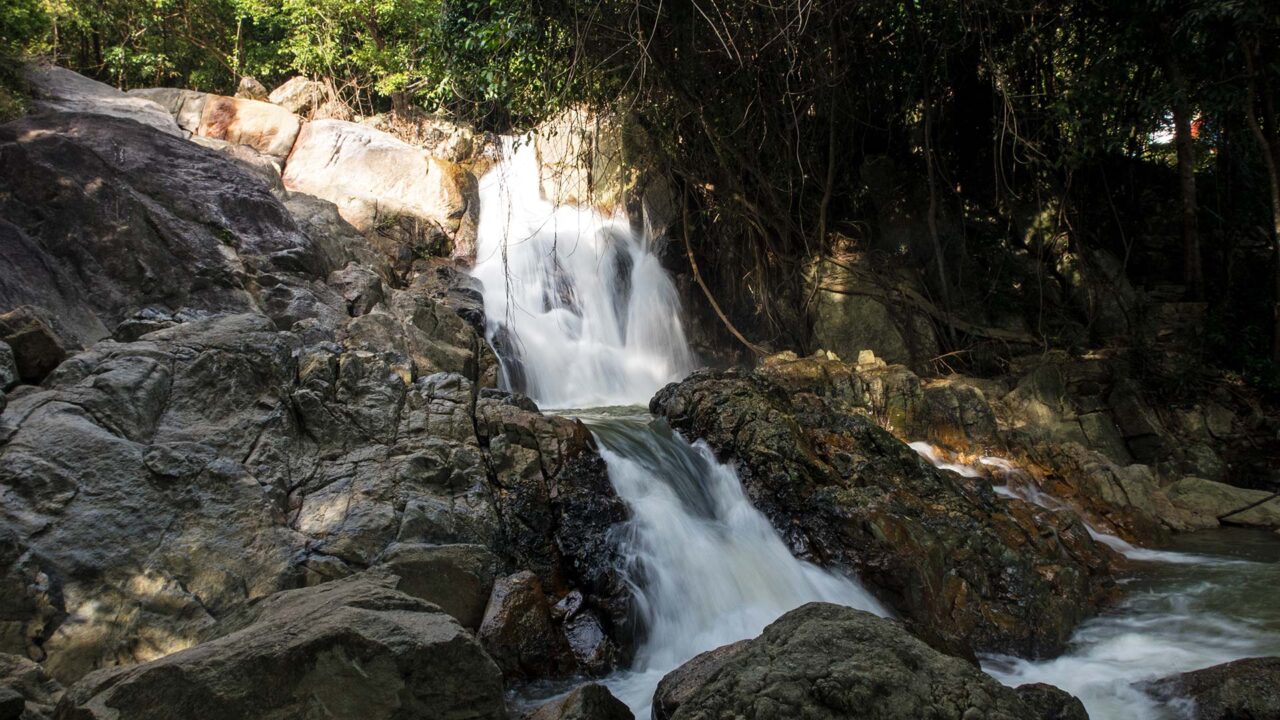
point(827, 661)
point(1241, 690)
point(353, 648)
point(35, 347)
point(26, 691)
point(590, 642)
point(61, 90)
point(458, 578)
point(682, 683)
point(588, 702)
point(518, 632)
point(967, 571)
point(1047, 702)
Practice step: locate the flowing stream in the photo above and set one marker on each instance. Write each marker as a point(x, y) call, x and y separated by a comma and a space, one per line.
point(586, 321)
point(1208, 599)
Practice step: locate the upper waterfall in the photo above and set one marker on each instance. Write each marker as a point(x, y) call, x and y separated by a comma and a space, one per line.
point(578, 304)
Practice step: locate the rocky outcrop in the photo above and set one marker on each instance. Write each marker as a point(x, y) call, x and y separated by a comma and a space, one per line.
point(267, 128)
point(353, 649)
point(1241, 690)
point(827, 661)
point(589, 702)
point(301, 96)
point(104, 217)
point(247, 429)
point(967, 571)
point(409, 203)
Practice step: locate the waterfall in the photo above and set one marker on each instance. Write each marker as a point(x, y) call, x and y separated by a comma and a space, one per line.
point(580, 309)
point(582, 315)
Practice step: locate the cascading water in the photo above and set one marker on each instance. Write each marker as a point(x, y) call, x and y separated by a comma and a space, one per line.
point(1208, 603)
point(579, 307)
point(584, 316)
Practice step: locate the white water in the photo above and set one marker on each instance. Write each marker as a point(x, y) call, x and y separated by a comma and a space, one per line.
point(1183, 611)
point(591, 319)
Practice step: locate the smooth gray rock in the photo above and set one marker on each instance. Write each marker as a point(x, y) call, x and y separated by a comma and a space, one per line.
point(351, 649)
point(61, 90)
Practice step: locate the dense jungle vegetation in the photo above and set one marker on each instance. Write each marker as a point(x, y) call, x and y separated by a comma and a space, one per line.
point(1006, 136)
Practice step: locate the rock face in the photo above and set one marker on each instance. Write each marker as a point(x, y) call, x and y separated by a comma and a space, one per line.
point(684, 682)
point(589, 702)
point(275, 408)
point(411, 204)
point(103, 216)
point(826, 661)
point(354, 649)
point(967, 571)
point(1241, 690)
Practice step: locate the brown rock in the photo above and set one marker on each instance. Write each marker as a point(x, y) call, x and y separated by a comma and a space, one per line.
point(458, 578)
point(1241, 690)
point(267, 128)
point(518, 633)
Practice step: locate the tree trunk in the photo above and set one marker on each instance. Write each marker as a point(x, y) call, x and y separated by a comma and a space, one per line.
point(1192, 273)
point(1269, 144)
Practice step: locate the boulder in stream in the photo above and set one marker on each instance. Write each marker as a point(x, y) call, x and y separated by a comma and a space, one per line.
point(1242, 690)
point(828, 662)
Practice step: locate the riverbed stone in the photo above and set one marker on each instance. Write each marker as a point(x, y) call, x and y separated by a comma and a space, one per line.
point(1226, 503)
point(682, 683)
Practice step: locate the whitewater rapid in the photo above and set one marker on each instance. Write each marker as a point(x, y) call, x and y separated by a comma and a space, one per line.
point(1207, 602)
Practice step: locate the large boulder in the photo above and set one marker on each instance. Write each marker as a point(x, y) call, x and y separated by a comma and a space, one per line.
point(354, 649)
point(267, 128)
point(825, 661)
point(518, 631)
point(104, 216)
point(684, 682)
point(186, 106)
point(406, 201)
point(967, 570)
point(458, 578)
point(1242, 690)
point(61, 90)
